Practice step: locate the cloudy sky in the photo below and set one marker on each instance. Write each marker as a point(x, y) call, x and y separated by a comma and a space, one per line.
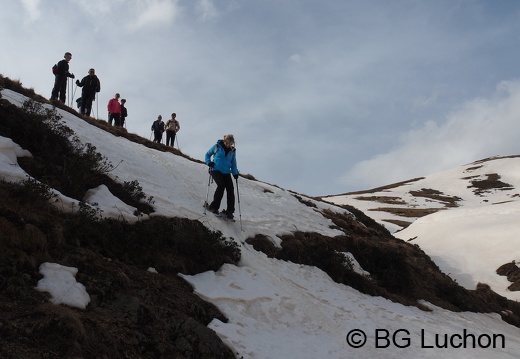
point(323, 97)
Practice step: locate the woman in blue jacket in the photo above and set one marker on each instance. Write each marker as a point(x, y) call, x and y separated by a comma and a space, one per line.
point(222, 160)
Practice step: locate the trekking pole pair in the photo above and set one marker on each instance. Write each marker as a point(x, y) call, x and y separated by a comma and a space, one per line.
point(70, 100)
point(238, 196)
point(73, 93)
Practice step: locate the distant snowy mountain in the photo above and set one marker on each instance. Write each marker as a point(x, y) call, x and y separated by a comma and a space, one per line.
point(465, 219)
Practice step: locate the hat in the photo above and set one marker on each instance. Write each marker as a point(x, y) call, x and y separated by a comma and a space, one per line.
point(123, 100)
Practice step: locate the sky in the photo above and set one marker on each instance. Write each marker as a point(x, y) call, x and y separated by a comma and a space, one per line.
point(323, 97)
point(278, 308)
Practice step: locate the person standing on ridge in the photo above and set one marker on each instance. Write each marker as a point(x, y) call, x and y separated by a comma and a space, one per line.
point(114, 110)
point(172, 127)
point(158, 129)
point(91, 86)
point(124, 112)
point(60, 78)
point(222, 161)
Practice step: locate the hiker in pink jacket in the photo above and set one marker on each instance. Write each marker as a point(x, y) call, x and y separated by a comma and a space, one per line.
point(114, 110)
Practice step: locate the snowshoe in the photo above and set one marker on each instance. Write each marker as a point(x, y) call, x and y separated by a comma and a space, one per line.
point(207, 206)
point(227, 216)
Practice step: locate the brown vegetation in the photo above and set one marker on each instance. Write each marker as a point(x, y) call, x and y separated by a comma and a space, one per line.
point(399, 271)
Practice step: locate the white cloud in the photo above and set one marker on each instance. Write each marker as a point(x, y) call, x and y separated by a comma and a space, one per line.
point(353, 75)
point(480, 128)
point(135, 14)
point(154, 12)
point(100, 7)
point(31, 6)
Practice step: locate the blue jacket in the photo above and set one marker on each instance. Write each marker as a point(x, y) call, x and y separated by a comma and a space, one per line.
point(223, 163)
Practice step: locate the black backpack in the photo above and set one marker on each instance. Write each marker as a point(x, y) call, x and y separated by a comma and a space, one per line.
point(55, 69)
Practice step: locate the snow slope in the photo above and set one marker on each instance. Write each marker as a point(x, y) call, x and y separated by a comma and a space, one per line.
point(468, 242)
point(280, 309)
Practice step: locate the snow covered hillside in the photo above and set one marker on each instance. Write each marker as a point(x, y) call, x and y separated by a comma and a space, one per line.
point(280, 309)
point(465, 219)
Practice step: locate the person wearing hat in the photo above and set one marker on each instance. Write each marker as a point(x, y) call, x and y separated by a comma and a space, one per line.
point(222, 161)
point(91, 86)
point(60, 78)
point(124, 112)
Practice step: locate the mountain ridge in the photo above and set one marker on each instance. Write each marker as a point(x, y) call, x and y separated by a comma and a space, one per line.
point(405, 206)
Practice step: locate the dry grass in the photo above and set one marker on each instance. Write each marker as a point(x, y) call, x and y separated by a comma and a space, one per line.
point(382, 199)
point(448, 201)
point(492, 182)
point(378, 189)
point(407, 212)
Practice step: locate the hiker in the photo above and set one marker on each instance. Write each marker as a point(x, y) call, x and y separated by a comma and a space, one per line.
point(172, 127)
point(114, 110)
point(158, 129)
point(222, 161)
point(60, 78)
point(91, 86)
point(124, 112)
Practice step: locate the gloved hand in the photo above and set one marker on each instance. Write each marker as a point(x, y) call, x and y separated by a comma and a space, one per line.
point(211, 164)
point(235, 176)
point(77, 82)
point(72, 76)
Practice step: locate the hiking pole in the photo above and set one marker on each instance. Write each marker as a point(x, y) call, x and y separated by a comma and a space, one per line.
point(73, 94)
point(239, 210)
point(207, 193)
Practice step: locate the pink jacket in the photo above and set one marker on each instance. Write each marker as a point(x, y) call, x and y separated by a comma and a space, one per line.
point(114, 106)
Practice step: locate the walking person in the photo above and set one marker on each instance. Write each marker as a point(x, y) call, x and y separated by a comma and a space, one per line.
point(124, 112)
point(91, 86)
point(114, 110)
point(172, 127)
point(158, 129)
point(60, 78)
point(222, 161)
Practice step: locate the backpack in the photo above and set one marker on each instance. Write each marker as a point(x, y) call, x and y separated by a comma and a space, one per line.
point(55, 69)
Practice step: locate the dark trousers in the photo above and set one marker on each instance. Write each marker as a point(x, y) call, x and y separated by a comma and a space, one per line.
point(114, 117)
point(60, 88)
point(86, 104)
point(170, 136)
point(157, 136)
point(224, 183)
